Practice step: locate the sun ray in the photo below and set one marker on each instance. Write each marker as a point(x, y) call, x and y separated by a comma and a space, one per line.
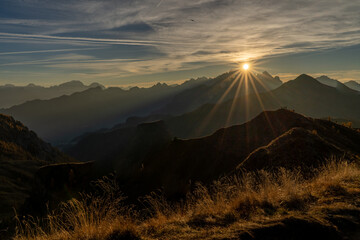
point(268, 90)
point(216, 105)
point(235, 99)
point(256, 93)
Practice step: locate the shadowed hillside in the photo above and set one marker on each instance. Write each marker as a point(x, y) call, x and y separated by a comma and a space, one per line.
point(263, 142)
point(280, 162)
point(205, 159)
point(21, 154)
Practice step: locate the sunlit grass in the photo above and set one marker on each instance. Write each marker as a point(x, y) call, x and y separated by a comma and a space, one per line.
point(239, 202)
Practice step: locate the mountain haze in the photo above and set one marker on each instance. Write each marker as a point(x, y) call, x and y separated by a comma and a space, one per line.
point(335, 83)
point(11, 95)
point(305, 95)
point(221, 88)
point(63, 118)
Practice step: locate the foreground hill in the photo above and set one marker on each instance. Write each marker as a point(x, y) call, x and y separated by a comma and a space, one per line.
point(11, 95)
point(272, 139)
point(278, 184)
point(262, 143)
point(21, 155)
point(261, 206)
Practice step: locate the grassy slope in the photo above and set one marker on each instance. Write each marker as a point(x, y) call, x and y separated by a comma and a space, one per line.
point(262, 205)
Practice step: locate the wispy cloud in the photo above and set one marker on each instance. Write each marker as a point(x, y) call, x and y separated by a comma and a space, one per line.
point(185, 34)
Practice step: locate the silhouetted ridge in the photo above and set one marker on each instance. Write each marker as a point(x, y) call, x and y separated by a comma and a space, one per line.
point(73, 83)
point(353, 85)
point(296, 147)
point(336, 84)
point(306, 79)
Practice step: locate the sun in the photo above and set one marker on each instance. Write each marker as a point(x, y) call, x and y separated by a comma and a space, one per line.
point(245, 66)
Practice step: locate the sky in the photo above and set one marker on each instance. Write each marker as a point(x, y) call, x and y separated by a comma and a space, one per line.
point(133, 42)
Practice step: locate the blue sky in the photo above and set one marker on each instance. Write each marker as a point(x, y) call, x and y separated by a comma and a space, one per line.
point(132, 42)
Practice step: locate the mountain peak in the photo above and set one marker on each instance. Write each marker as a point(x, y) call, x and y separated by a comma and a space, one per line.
point(160, 85)
point(306, 79)
point(353, 85)
point(31, 85)
point(304, 76)
point(95, 84)
point(73, 83)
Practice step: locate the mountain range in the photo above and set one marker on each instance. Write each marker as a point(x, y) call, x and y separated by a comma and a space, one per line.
point(11, 95)
point(304, 95)
point(63, 118)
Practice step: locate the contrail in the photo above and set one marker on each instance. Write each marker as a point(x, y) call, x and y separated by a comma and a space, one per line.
point(159, 3)
point(46, 51)
point(105, 40)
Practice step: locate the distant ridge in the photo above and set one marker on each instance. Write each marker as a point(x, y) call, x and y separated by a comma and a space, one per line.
point(353, 85)
point(11, 95)
point(336, 84)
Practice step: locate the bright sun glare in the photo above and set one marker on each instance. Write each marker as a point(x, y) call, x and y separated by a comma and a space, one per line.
point(246, 66)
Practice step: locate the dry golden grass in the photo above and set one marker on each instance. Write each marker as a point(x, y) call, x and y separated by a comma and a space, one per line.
point(230, 206)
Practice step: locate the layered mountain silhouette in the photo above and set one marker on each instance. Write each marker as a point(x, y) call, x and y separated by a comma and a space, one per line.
point(21, 155)
point(63, 118)
point(11, 95)
point(202, 107)
point(60, 119)
point(304, 95)
point(146, 158)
